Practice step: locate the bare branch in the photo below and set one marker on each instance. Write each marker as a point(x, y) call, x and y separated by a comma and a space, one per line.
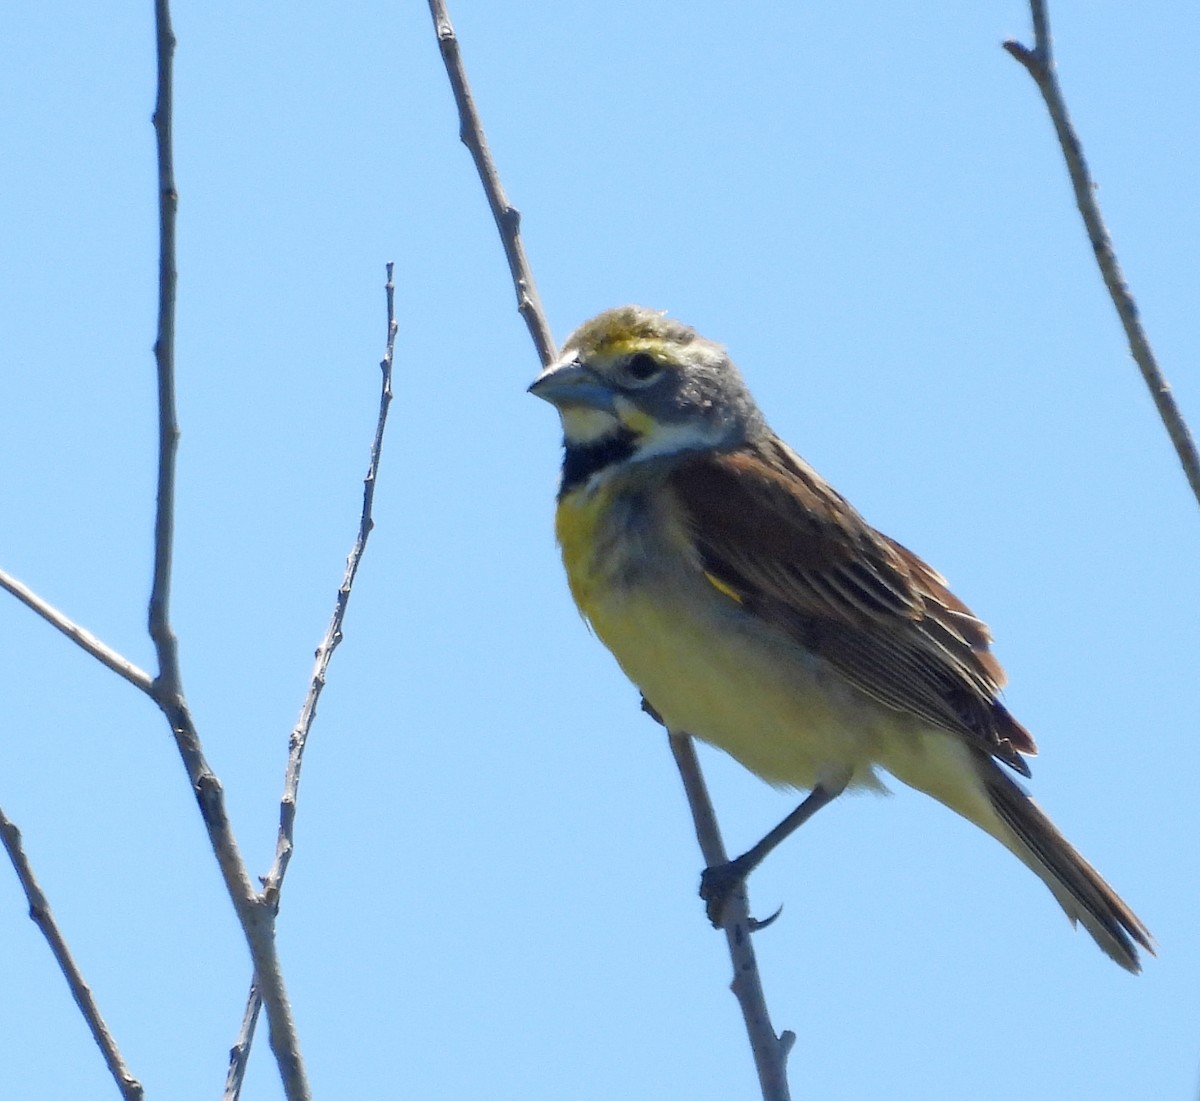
point(164, 354)
point(1039, 63)
point(333, 634)
point(239, 1054)
point(770, 1051)
point(273, 881)
point(139, 678)
point(508, 218)
point(255, 915)
point(43, 917)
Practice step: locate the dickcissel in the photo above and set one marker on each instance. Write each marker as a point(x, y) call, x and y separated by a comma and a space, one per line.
point(755, 609)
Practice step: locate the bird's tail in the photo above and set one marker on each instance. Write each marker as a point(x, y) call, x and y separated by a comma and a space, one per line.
point(1079, 888)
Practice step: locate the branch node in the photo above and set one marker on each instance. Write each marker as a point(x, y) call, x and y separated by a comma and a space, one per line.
point(1020, 51)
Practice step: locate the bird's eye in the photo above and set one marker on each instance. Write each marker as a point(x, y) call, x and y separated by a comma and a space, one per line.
point(642, 367)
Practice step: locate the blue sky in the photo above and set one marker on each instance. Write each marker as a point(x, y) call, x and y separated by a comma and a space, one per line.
point(494, 888)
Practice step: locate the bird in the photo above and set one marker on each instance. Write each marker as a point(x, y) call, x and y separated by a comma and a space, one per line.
point(756, 610)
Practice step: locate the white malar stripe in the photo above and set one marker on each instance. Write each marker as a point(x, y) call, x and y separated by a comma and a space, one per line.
point(671, 439)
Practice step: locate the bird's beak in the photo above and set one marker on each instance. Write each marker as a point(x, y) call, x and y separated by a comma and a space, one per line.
point(572, 384)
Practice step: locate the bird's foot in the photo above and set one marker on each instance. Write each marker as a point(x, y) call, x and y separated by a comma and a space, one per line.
point(716, 885)
point(719, 883)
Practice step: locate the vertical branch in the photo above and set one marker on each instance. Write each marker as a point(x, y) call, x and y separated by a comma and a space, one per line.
point(164, 355)
point(770, 1051)
point(273, 880)
point(255, 916)
point(43, 917)
point(508, 218)
point(1039, 63)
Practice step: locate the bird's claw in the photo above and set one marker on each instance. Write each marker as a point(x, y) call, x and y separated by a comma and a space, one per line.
point(756, 925)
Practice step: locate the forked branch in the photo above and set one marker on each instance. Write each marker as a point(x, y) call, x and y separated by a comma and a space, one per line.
point(255, 915)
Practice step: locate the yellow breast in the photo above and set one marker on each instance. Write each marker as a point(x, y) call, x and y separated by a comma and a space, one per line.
point(701, 660)
point(577, 526)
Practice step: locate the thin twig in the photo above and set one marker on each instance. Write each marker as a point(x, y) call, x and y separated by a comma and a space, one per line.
point(770, 1051)
point(508, 218)
point(255, 915)
point(273, 880)
point(1039, 63)
point(333, 634)
point(39, 911)
point(85, 640)
point(239, 1054)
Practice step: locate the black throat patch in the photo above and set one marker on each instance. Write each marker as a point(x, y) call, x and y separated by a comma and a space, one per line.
point(581, 461)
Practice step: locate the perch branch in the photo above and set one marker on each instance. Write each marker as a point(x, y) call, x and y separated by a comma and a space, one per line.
point(770, 1051)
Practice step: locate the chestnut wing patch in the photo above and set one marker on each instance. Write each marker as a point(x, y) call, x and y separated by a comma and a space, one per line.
point(799, 556)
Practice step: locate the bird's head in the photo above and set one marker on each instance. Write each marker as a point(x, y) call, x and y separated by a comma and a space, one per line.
point(636, 384)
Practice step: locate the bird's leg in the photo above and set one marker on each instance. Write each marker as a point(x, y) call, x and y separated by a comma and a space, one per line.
point(648, 707)
point(717, 883)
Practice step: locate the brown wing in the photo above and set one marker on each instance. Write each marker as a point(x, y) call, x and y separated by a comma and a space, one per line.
point(798, 555)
